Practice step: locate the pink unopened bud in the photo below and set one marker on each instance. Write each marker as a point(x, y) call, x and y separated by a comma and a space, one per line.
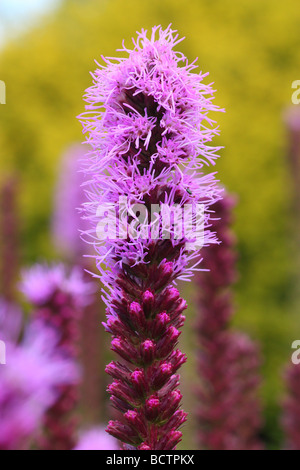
point(147, 351)
point(169, 299)
point(115, 327)
point(160, 323)
point(135, 420)
point(122, 432)
point(152, 408)
point(165, 273)
point(139, 382)
point(161, 375)
point(177, 359)
point(148, 302)
point(119, 404)
point(144, 447)
point(167, 343)
point(137, 315)
point(117, 371)
point(176, 420)
point(170, 403)
point(124, 349)
point(179, 322)
point(120, 390)
point(171, 440)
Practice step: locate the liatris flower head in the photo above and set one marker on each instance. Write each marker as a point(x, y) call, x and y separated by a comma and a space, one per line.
point(29, 384)
point(154, 123)
point(149, 130)
point(96, 439)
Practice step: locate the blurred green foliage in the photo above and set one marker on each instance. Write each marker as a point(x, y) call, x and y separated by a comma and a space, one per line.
point(252, 51)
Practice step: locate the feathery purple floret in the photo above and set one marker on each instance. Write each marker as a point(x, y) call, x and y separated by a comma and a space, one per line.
point(148, 126)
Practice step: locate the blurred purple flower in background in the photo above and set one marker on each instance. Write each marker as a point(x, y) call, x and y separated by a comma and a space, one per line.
point(69, 197)
point(29, 384)
point(229, 411)
point(96, 439)
point(58, 296)
point(41, 283)
point(145, 147)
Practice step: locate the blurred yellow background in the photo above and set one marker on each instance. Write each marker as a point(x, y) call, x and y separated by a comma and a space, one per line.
point(251, 49)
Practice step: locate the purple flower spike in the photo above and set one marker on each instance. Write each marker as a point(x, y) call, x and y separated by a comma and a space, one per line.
point(229, 413)
point(58, 299)
point(148, 127)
